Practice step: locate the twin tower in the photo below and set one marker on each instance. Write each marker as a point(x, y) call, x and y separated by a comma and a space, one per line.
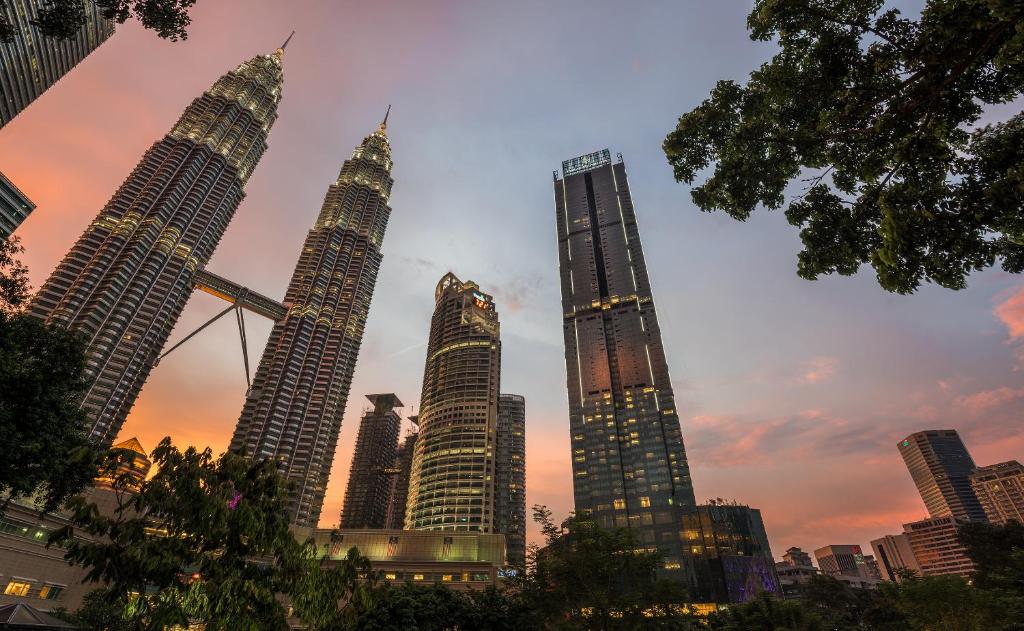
point(126, 280)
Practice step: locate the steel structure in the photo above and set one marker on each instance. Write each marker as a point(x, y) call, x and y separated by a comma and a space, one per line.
point(125, 282)
point(372, 467)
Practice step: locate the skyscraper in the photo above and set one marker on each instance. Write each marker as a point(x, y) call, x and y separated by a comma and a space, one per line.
point(369, 480)
point(894, 554)
point(452, 481)
point(14, 207)
point(510, 476)
point(293, 411)
point(398, 495)
point(629, 463)
point(124, 283)
point(32, 62)
point(1000, 489)
point(941, 468)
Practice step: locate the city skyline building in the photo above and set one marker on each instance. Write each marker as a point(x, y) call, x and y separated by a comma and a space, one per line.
point(368, 491)
point(937, 547)
point(398, 494)
point(894, 553)
point(796, 557)
point(32, 62)
point(629, 461)
point(124, 283)
point(846, 561)
point(941, 468)
point(1000, 489)
point(452, 483)
point(15, 207)
point(293, 411)
point(735, 561)
point(510, 476)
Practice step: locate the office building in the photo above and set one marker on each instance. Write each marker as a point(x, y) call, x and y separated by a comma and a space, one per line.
point(294, 409)
point(398, 494)
point(369, 477)
point(848, 563)
point(1000, 489)
point(734, 561)
point(895, 556)
point(510, 476)
point(32, 62)
point(937, 548)
point(452, 483)
point(796, 557)
point(941, 468)
point(14, 206)
point(126, 280)
point(629, 462)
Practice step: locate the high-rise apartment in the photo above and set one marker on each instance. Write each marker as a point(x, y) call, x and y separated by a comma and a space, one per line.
point(894, 554)
point(32, 62)
point(452, 481)
point(1000, 489)
point(294, 409)
point(14, 206)
point(510, 476)
point(937, 547)
point(369, 477)
point(398, 494)
point(941, 468)
point(126, 280)
point(629, 463)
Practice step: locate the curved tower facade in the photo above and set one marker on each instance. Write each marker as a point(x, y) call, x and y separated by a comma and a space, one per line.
point(452, 482)
point(294, 409)
point(127, 279)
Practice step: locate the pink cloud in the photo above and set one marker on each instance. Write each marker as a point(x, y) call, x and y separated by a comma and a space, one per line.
point(1011, 313)
point(817, 370)
point(987, 399)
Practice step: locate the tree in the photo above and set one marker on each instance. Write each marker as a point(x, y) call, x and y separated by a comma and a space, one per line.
point(64, 19)
point(45, 447)
point(96, 612)
point(877, 112)
point(998, 554)
point(205, 540)
point(766, 612)
point(588, 577)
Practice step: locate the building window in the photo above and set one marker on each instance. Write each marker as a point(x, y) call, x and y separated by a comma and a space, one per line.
point(17, 588)
point(51, 592)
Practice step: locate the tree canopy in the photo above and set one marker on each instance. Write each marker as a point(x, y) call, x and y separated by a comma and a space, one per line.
point(45, 447)
point(877, 113)
point(63, 19)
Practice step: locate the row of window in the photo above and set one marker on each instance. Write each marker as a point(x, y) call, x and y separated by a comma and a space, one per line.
point(26, 588)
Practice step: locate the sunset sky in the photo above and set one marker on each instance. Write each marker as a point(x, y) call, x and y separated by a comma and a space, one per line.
point(793, 394)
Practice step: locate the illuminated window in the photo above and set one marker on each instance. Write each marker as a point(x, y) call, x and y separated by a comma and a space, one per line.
point(645, 502)
point(50, 592)
point(17, 588)
point(389, 576)
point(619, 504)
point(417, 577)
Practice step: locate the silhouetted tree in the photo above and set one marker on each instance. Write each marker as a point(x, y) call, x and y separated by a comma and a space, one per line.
point(63, 19)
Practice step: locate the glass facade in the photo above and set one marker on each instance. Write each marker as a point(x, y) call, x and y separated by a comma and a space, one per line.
point(941, 467)
point(369, 477)
point(14, 207)
point(510, 476)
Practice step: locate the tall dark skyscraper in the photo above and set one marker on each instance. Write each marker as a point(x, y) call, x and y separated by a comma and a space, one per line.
point(452, 481)
point(294, 409)
point(32, 63)
point(629, 463)
point(510, 476)
point(398, 495)
point(124, 283)
point(369, 477)
point(14, 207)
point(941, 468)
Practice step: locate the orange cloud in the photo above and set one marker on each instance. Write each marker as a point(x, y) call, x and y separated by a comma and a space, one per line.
point(987, 399)
point(818, 370)
point(1011, 313)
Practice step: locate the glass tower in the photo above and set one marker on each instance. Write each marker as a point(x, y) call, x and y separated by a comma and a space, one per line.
point(294, 409)
point(452, 481)
point(398, 494)
point(941, 468)
point(32, 63)
point(127, 278)
point(510, 476)
point(629, 463)
point(369, 477)
point(14, 207)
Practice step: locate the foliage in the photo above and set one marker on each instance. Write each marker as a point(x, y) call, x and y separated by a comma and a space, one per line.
point(998, 553)
point(587, 577)
point(205, 540)
point(63, 19)
point(877, 111)
point(326, 597)
point(437, 608)
point(42, 378)
point(96, 612)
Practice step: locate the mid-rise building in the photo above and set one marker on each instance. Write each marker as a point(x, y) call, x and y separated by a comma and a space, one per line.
point(398, 494)
point(294, 409)
point(14, 206)
point(1000, 489)
point(510, 476)
point(126, 280)
point(452, 483)
point(734, 560)
point(629, 462)
point(369, 477)
point(793, 579)
point(796, 557)
point(895, 555)
point(941, 468)
point(32, 63)
point(847, 561)
point(937, 548)
point(131, 468)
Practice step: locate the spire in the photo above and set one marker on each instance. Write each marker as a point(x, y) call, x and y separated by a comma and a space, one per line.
point(384, 123)
point(280, 51)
